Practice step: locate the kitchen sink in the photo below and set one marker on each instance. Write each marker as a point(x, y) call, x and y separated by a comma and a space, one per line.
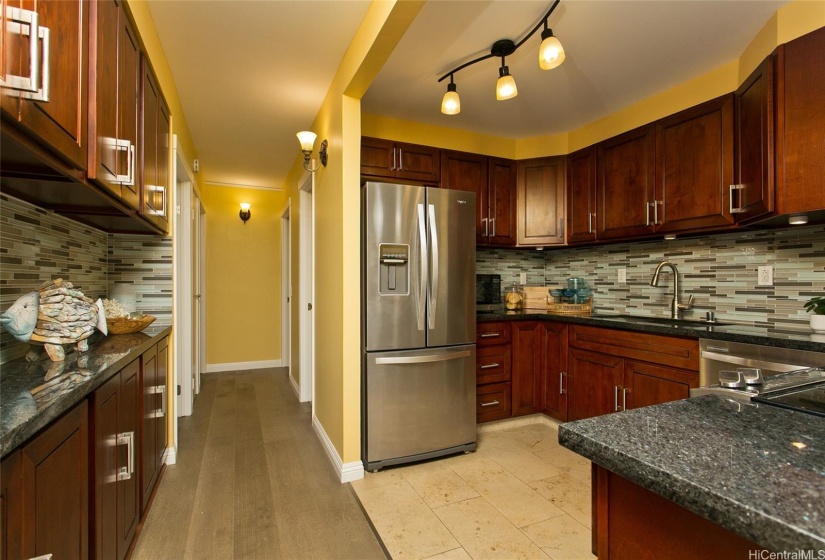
point(664, 321)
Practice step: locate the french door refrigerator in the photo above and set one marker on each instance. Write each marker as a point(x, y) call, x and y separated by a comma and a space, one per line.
point(418, 323)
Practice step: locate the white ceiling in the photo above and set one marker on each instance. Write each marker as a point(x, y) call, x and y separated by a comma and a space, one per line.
point(250, 74)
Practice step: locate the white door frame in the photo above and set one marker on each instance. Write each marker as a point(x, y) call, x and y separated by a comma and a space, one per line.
point(286, 288)
point(198, 222)
point(307, 289)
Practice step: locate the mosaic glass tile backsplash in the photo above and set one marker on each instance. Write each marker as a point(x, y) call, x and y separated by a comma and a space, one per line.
point(37, 245)
point(719, 271)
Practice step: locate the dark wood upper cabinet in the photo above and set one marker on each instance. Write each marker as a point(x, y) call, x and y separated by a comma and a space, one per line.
point(115, 82)
point(154, 157)
point(468, 172)
point(396, 160)
point(526, 371)
point(540, 199)
point(800, 141)
point(52, 108)
point(625, 184)
point(753, 191)
point(501, 200)
point(581, 195)
point(694, 168)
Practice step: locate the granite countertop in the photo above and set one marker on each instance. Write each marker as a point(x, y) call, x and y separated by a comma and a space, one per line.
point(70, 381)
point(797, 340)
point(755, 469)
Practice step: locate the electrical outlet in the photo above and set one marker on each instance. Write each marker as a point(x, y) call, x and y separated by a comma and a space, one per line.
point(765, 276)
point(523, 278)
point(622, 276)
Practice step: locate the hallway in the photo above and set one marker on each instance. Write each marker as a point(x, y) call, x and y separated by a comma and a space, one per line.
point(252, 481)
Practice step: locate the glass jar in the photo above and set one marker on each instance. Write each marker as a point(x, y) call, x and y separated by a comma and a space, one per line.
point(514, 297)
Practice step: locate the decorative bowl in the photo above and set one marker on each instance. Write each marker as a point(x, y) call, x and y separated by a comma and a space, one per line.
point(126, 325)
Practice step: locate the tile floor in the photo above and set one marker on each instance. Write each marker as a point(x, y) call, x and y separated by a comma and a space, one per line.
point(520, 495)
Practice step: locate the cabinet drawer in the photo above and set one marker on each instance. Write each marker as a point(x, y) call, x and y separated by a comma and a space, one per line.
point(492, 364)
point(664, 350)
point(492, 333)
point(492, 402)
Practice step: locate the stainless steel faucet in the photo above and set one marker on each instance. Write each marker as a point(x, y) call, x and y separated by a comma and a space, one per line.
point(675, 307)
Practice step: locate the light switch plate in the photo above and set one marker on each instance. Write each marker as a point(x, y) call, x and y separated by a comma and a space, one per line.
point(622, 276)
point(765, 276)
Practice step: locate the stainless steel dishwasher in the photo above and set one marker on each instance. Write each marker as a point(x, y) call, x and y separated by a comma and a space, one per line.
point(720, 355)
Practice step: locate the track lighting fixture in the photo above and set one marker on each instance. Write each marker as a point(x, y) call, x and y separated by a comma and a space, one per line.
point(551, 55)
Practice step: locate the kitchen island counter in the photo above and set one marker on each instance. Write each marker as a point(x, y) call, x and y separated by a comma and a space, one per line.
point(755, 470)
point(797, 340)
point(28, 404)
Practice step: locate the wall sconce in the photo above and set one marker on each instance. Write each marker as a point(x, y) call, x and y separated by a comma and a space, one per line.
point(307, 140)
point(245, 212)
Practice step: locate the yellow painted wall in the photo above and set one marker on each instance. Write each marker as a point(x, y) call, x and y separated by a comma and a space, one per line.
point(243, 275)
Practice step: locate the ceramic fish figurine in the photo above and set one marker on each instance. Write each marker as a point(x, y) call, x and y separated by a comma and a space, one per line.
point(54, 315)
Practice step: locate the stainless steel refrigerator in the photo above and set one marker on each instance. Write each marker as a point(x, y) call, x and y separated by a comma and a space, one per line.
point(419, 323)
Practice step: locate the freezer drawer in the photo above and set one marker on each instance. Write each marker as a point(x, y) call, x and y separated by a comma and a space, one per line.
point(419, 404)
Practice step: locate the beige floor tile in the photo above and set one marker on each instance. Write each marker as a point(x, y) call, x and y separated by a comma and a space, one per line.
point(568, 462)
point(562, 538)
point(519, 503)
point(533, 437)
point(522, 463)
point(409, 529)
point(571, 495)
point(455, 554)
point(485, 533)
point(437, 484)
point(376, 480)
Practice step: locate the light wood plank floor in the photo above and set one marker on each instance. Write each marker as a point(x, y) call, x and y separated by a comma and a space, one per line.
point(252, 481)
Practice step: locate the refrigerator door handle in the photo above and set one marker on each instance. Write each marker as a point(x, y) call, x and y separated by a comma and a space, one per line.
point(422, 235)
point(423, 359)
point(433, 294)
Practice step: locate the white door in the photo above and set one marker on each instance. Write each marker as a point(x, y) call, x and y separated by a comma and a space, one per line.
point(307, 290)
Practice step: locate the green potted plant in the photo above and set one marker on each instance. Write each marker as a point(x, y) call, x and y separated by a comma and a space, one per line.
point(816, 305)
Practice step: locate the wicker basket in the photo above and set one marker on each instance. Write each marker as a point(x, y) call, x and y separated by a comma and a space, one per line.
point(125, 325)
point(570, 308)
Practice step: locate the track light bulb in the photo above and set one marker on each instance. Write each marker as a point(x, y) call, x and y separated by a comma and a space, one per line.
point(551, 53)
point(450, 103)
point(505, 85)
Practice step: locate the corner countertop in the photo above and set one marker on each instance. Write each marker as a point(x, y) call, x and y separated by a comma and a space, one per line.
point(22, 414)
point(756, 470)
point(797, 340)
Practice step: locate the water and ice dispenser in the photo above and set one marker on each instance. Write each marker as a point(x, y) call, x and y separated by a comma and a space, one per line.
point(393, 269)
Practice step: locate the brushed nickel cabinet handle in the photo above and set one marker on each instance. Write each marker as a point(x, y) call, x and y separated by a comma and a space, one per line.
point(489, 366)
point(492, 403)
point(561, 383)
point(735, 208)
point(490, 335)
point(615, 398)
point(625, 390)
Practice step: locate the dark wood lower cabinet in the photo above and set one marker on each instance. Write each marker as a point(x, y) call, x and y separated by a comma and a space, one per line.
point(153, 414)
point(493, 402)
point(648, 384)
point(527, 373)
point(554, 370)
point(594, 380)
point(45, 492)
point(631, 522)
point(116, 510)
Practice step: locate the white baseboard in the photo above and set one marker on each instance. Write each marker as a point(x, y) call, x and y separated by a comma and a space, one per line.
point(237, 366)
point(347, 472)
point(170, 456)
point(295, 387)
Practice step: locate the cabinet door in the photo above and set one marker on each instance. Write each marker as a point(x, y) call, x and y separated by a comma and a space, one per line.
point(526, 371)
point(540, 201)
point(11, 503)
point(489, 333)
point(502, 202)
point(754, 130)
point(378, 157)
point(154, 179)
point(694, 167)
point(581, 196)
point(554, 370)
point(128, 510)
point(492, 364)
point(468, 172)
point(648, 384)
point(57, 114)
point(107, 464)
point(420, 163)
point(800, 142)
point(625, 184)
point(128, 90)
point(148, 435)
point(160, 417)
point(493, 402)
point(55, 496)
point(104, 160)
point(595, 381)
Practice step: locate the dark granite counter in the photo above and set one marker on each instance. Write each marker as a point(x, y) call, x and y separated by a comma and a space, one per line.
point(756, 470)
point(22, 414)
point(797, 340)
